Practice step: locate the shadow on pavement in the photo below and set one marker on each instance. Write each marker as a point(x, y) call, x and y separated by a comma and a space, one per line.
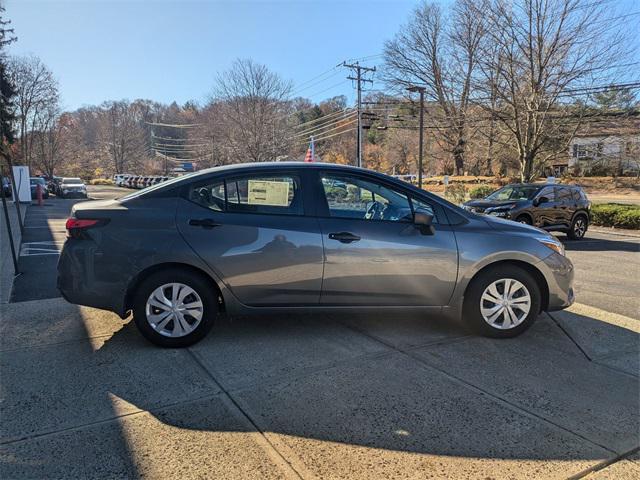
point(600, 245)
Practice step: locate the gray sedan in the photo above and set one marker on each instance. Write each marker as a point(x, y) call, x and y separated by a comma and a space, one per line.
point(285, 237)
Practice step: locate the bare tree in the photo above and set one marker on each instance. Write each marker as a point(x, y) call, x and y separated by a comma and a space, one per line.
point(123, 134)
point(543, 51)
point(36, 91)
point(253, 104)
point(442, 56)
point(49, 136)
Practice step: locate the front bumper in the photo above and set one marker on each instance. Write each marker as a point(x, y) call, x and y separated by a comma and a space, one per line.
point(558, 272)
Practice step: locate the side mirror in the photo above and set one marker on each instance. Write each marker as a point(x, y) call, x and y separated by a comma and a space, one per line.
point(540, 201)
point(424, 222)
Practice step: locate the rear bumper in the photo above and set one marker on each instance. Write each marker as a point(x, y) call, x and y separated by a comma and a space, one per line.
point(78, 283)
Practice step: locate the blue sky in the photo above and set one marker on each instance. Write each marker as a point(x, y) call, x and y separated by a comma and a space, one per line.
point(168, 50)
point(172, 50)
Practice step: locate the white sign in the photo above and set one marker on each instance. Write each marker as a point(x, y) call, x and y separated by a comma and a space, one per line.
point(265, 192)
point(23, 184)
point(446, 179)
point(551, 179)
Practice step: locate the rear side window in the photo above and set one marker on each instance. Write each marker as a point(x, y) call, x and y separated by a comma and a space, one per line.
point(262, 194)
point(578, 194)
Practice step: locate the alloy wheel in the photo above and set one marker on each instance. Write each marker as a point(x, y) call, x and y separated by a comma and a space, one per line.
point(174, 310)
point(505, 303)
point(579, 227)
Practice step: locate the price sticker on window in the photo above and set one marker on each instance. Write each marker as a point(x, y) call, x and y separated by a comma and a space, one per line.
point(266, 192)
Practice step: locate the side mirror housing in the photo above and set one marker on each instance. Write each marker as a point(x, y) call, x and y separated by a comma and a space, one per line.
point(424, 222)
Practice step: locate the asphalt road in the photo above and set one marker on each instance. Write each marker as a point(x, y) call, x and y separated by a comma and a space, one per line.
point(607, 265)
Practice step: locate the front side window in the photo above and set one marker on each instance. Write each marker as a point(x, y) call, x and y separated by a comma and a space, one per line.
point(354, 197)
point(270, 194)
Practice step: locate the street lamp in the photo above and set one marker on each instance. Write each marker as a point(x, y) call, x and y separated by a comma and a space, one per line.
point(413, 89)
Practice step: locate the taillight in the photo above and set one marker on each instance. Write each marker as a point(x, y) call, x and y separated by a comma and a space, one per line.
point(75, 226)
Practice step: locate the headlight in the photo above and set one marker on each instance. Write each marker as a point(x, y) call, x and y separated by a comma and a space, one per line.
point(553, 244)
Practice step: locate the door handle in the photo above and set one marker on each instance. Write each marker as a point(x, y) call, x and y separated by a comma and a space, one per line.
point(344, 237)
point(204, 223)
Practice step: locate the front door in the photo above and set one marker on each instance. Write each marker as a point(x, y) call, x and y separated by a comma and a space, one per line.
point(252, 231)
point(374, 255)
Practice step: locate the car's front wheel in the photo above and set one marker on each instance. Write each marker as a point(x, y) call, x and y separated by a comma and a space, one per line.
point(502, 302)
point(175, 308)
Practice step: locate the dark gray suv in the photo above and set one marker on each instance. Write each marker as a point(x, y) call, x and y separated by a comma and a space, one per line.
point(559, 208)
point(295, 237)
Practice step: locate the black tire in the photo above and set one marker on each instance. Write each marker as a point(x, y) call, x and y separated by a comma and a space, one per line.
point(198, 283)
point(471, 309)
point(526, 219)
point(579, 227)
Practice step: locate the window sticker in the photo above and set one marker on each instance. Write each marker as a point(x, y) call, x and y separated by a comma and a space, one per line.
point(265, 192)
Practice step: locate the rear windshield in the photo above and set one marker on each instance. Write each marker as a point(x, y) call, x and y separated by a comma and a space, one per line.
point(71, 180)
point(35, 181)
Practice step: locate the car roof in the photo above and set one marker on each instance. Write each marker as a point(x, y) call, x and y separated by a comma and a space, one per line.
point(542, 185)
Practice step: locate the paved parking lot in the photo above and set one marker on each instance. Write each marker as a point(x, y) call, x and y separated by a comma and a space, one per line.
point(325, 396)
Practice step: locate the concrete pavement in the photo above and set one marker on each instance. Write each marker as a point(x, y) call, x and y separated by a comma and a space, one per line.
point(321, 397)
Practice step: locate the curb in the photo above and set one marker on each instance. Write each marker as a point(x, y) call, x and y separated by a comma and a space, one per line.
point(615, 231)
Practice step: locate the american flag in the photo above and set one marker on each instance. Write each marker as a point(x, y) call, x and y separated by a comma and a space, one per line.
point(311, 154)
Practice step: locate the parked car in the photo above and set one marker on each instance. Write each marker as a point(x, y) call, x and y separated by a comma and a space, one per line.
point(6, 187)
point(287, 237)
point(562, 208)
point(72, 187)
point(34, 182)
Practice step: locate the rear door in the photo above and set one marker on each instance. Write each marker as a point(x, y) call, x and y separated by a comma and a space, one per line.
point(374, 255)
point(566, 205)
point(251, 229)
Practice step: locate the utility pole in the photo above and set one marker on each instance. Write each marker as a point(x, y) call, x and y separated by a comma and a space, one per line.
point(358, 78)
point(415, 88)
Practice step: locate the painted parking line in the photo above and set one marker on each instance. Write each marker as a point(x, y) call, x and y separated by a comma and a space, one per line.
point(29, 249)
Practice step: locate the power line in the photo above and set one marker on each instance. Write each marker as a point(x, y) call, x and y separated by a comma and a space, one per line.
point(320, 126)
point(325, 117)
point(328, 136)
point(323, 132)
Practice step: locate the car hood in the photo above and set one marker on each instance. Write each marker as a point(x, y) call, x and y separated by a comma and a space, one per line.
point(483, 203)
point(513, 227)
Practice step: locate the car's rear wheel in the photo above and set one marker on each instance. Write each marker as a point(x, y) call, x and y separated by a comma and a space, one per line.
point(578, 227)
point(502, 302)
point(175, 308)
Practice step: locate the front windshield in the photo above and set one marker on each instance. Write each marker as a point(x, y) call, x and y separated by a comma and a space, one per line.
point(71, 180)
point(514, 192)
